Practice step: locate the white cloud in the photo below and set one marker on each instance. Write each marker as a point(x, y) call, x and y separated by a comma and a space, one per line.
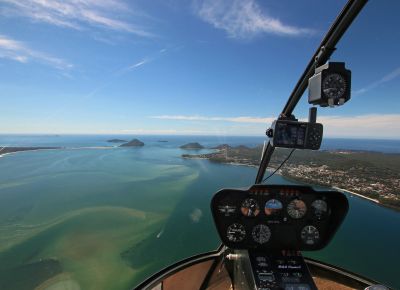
point(387, 78)
point(244, 19)
point(372, 125)
point(243, 119)
point(75, 14)
point(18, 51)
point(140, 63)
point(164, 132)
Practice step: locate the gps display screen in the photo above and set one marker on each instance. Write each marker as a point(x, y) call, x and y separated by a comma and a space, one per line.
point(290, 134)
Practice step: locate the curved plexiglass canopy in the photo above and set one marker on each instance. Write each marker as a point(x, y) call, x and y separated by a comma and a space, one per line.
point(79, 79)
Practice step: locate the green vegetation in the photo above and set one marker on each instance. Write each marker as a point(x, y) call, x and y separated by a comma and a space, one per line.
point(193, 145)
point(372, 174)
point(133, 143)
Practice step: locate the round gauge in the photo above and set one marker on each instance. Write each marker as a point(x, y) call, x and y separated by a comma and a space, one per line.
point(334, 86)
point(273, 207)
point(310, 235)
point(320, 209)
point(236, 233)
point(261, 234)
point(250, 207)
point(296, 209)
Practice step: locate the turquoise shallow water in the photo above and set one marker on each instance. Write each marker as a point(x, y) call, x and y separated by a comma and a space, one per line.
point(39, 188)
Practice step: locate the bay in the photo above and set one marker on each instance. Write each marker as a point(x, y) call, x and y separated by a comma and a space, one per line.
point(128, 212)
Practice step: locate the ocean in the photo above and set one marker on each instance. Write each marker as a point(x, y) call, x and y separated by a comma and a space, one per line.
point(111, 216)
point(379, 145)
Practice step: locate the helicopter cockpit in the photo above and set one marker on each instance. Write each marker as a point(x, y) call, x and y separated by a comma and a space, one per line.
point(272, 224)
point(265, 228)
point(199, 145)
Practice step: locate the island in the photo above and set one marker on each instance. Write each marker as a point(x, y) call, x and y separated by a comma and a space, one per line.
point(133, 143)
point(222, 147)
point(193, 145)
point(373, 175)
point(5, 150)
point(117, 141)
point(162, 141)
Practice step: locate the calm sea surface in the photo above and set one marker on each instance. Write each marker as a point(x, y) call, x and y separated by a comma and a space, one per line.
point(128, 212)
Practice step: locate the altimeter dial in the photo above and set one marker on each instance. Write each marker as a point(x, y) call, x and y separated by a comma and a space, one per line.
point(261, 234)
point(236, 233)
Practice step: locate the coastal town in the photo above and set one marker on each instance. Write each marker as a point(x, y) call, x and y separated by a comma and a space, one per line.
point(373, 175)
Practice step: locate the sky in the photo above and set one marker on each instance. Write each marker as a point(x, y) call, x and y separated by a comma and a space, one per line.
point(212, 67)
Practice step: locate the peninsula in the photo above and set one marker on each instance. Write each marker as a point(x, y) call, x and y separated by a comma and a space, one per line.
point(133, 143)
point(5, 150)
point(193, 145)
point(371, 174)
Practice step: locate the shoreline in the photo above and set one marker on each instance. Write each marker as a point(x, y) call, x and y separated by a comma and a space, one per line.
point(25, 149)
point(375, 201)
point(227, 163)
point(352, 193)
point(15, 150)
point(357, 194)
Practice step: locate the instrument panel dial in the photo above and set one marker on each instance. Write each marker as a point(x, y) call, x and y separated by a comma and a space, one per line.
point(236, 233)
point(273, 207)
point(261, 234)
point(296, 209)
point(276, 217)
point(250, 207)
point(310, 235)
point(320, 209)
point(334, 86)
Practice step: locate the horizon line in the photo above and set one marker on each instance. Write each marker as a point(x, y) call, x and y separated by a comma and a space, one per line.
point(194, 135)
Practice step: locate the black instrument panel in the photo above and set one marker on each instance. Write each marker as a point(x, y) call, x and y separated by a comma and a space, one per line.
point(278, 217)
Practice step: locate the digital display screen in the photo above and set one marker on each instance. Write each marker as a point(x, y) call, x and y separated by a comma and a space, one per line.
point(290, 134)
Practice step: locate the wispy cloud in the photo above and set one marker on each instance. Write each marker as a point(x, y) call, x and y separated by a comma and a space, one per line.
point(242, 119)
point(143, 61)
point(164, 132)
point(244, 19)
point(369, 125)
point(387, 78)
point(18, 51)
point(75, 14)
point(140, 63)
